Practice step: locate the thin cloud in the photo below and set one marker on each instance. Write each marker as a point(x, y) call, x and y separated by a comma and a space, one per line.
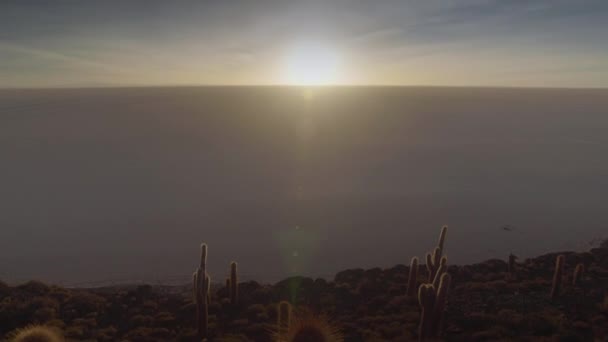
point(56, 56)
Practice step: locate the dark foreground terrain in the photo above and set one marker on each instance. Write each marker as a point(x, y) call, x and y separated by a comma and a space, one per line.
point(485, 302)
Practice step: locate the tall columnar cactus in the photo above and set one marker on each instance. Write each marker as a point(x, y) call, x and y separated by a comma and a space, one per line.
point(426, 299)
point(444, 231)
point(283, 321)
point(557, 277)
point(443, 267)
point(511, 265)
point(432, 302)
point(578, 274)
point(413, 279)
point(440, 303)
point(234, 284)
point(433, 260)
point(432, 263)
point(202, 284)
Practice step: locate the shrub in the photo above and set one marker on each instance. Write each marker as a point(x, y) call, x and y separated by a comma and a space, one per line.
point(144, 334)
point(34, 287)
point(36, 333)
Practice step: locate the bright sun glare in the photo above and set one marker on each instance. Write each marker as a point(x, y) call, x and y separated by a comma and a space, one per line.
point(311, 64)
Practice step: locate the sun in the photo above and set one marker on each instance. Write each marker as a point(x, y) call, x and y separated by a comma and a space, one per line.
point(311, 64)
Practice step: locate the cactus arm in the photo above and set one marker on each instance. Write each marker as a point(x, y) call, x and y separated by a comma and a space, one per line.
point(234, 284)
point(557, 277)
point(413, 278)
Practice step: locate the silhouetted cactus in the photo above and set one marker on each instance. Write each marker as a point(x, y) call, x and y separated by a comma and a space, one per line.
point(234, 284)
point(429, 266)
point(444, 231)
point(283, 321)
point(440, 303)
point(443, 267)
point(426, 299)
point(433, 260)
point(432, 263)
point(578, 274)
point(432, 300)
point(202, 284)
point(511, 265)
point(413, 278)
point(557, 277)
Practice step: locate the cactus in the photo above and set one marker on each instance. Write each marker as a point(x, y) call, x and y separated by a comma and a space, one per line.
point(443, 267)
point(557, 277)
point(433, 261)
point(429, 266)
point(202, 284)
point(578, 274)
point(440, 303)
point(432, 300)
point(413, 279)
point(203, 261)
point(284, 320)
point(234, 284)
point(436, 264)
point(444, 231)
point(511, 266)
point(426, 299)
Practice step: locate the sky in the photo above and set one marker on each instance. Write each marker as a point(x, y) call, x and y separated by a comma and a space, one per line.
point(544, 43)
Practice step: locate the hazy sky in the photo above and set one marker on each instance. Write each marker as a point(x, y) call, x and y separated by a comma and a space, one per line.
point(433, 42)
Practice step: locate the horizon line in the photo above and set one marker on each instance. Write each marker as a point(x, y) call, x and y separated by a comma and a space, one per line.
point(132, 86)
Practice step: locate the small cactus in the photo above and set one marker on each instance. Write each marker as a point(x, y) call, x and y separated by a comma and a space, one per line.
point(234, 284)
point(413, 278)
point(557, 277)
point(578, 274)
point(202, 285)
